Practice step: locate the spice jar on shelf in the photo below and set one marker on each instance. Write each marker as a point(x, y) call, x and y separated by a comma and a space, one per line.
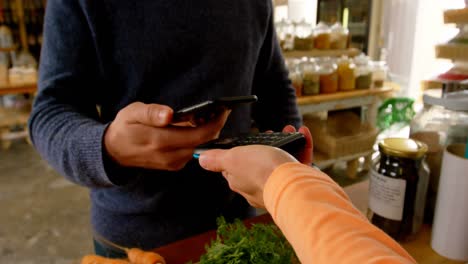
point(397, 190)
point(303, 38)
point(339, 36)
point(311, 78)
point(322, 36)
point(285, 31)
point(346, 74)
point(443, 121)
point(363, 72)
point(328, 72)
point(295, 75)
point(379, 73)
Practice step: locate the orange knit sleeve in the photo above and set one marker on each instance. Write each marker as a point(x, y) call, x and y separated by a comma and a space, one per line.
point(319, 221)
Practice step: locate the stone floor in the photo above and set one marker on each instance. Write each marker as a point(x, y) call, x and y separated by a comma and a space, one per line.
point(44, 219)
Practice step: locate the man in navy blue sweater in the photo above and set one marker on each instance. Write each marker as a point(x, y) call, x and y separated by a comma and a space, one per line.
point(137, 61)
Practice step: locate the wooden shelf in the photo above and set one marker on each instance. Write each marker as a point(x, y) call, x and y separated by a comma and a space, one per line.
point(322, 53)
point(323, 161)
point(8, 49)
point(457, 52)
point(18, 89)
point(456, 16)
point(321, 98)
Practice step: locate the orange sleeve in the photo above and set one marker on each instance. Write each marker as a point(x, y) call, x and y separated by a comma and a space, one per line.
point(319, 221)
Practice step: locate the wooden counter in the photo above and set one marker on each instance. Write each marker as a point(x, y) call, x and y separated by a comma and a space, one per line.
point(185, 250)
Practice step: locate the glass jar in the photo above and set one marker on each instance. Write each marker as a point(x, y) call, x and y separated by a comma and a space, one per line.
point(363, 72)
point(303, 38)
point(328, 71)
point(346, 74)
point(311, 78)
point(397, 190)
point(6, 41)
point(339, 36)
point(379, 73)
point(322, 36)
point(285, 31)
point(295, 75)
point(443, 121)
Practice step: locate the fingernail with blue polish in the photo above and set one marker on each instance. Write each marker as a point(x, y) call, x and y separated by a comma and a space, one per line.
point(196, 155)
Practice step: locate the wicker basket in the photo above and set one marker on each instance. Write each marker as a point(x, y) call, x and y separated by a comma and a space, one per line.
point(342, 134)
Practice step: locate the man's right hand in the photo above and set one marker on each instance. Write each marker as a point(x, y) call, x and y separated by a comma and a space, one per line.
point(140, 136)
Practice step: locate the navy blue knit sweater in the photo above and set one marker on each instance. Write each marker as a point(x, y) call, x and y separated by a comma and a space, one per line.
point(174, 52)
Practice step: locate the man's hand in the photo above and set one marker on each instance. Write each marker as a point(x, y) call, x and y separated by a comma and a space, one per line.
point(140, 136)
point(306, 156)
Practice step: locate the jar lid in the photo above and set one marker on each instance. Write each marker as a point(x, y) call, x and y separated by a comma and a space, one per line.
point(403, 148)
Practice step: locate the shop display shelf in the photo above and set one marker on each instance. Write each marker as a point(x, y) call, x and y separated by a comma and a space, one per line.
point(456, 16)
point(457, 52)
point(321, 53)
point(18, 89)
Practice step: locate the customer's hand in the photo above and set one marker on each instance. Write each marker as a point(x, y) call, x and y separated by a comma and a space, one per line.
point(140, 136)
point(246, 168)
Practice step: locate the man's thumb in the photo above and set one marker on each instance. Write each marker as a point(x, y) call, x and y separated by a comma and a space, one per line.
point(150, 114)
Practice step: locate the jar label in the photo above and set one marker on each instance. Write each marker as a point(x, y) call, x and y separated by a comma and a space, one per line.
point(387, 196)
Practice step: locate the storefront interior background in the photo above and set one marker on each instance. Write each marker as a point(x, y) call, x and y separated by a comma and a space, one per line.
point(402, 32)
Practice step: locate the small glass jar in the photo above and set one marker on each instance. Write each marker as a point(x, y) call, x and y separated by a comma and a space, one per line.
point(379, 73)
point(303, 38)
point(363, 72)
point(328, 76)
point(443, 121)
point(311, 78)
point(285, 31)
point(346, 74)
point(322, 36)
point(339, 36)
point(398, 185)
point(295, 75)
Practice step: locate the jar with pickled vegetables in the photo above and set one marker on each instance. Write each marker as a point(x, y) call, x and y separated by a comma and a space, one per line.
point(322, 36)
point(328, 76)
point(285, 31)
point(339, 36)
point(295, 75)
point(346, 74)
point(303, 38)
point(363, 72)
point(379, 73)
point(311, 78)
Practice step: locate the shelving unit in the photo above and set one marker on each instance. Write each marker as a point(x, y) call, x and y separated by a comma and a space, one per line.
point(456, 16)
point(321, 53)
point(18, 89)
point(452, 51)
point(368, 100)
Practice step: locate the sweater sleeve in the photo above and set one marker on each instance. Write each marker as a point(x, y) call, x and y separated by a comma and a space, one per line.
point(276, 106)
point(320, 222)
point(64, 123)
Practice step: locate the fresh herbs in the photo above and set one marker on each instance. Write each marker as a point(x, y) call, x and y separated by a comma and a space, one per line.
point(237, 244)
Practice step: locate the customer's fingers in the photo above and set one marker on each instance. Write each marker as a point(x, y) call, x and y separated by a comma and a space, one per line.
point(212, 160)
point(307, 153)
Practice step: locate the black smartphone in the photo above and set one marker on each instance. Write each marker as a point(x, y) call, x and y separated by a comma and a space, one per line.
point(204, 112)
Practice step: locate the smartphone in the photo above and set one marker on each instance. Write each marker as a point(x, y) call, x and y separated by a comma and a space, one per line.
point(204, 112)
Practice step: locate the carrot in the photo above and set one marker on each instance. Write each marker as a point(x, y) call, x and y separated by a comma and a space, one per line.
point(93, 259)
point(138, 256)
